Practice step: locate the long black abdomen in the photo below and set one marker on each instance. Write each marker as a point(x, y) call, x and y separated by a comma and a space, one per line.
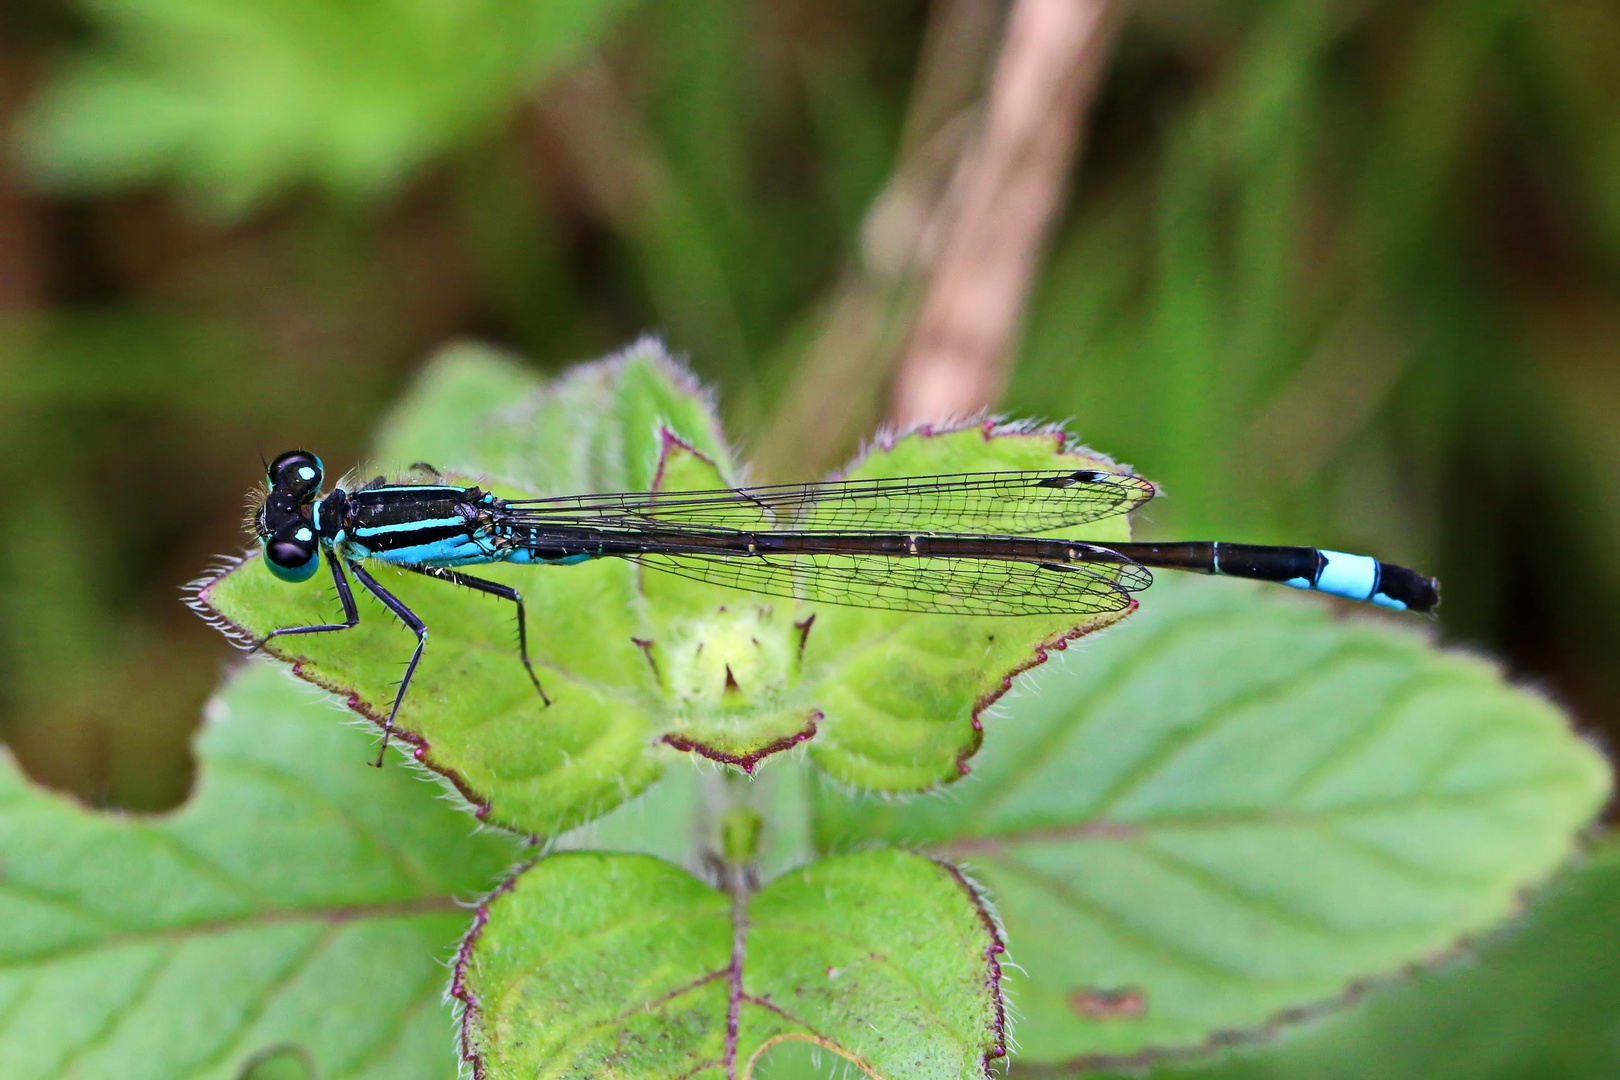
point(1354, 577)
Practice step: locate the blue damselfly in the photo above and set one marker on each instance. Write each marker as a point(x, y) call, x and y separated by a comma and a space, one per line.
point(951, 544)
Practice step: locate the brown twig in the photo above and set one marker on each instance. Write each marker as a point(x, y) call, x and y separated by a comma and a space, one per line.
point(1003, 202)
point(835, 393)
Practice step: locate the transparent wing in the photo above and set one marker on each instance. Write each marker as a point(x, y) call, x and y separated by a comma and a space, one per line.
point(953, 586)
point(991, 502)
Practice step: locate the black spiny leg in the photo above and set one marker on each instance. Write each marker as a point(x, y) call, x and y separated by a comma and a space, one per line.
point(417, 627)
point(351, 614)
point(505, 592)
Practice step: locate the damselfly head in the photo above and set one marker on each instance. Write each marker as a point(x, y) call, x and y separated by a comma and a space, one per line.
point(282, 521)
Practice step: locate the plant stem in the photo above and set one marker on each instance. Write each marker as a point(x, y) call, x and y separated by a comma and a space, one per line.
point(1004, 202)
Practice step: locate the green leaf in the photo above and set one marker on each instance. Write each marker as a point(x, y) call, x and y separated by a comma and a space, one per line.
point(280, 1063)
point(902, 694)
point(593, 964)
point(444, 417)
point(1541, 1003)
point(886, 700)
point(472, 713)
point(297, 909)
point(639, 662)
point(239, 100)
point(477, 411)
point(1237, 805)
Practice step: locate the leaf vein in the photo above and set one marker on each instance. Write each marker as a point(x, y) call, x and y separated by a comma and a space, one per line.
point(426, 906)
point(334, 811)
point(1145, 939)
point(1173, 743)
point(114, 1019)
point(256, 1009)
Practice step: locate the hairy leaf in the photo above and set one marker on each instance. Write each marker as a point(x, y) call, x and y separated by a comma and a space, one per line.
point(639, 662)
point(594, 964)
point(297, 910)
point(1238, 805)
point(477, 411)
point(471, 711)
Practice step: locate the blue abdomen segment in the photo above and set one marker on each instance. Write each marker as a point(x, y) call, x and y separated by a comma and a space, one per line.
point(1362, 577)
point(1354, 577)
point(1337, 573)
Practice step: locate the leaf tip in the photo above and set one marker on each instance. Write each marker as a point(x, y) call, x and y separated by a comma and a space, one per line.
point(749, 760)
point(196, 594)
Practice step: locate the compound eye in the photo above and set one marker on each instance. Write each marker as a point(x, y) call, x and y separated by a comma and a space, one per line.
point(294, 552)
point(296, 471)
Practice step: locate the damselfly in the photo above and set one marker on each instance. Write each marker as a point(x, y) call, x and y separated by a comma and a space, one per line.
point(943, 544)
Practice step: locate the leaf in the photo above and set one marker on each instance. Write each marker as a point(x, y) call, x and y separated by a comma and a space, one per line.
point(1237, 805)
point(903, 694)
point(297, 909)
point(239, 100)
point(885, 700)
point(638, 662)
point(475, 410)
point(593, 964)
point(1542, 1002)
point(280, 1063)
point(471, 711)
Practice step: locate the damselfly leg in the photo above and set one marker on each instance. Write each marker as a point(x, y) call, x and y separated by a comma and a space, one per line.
point(414, 624)
point(351, 613)
point(505, 592)
point(351, 619)
point(412, 621)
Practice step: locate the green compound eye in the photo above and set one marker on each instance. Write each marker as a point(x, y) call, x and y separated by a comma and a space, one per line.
point(294, 553)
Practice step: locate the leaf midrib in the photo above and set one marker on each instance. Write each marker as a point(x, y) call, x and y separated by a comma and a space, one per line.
point(1133, 831)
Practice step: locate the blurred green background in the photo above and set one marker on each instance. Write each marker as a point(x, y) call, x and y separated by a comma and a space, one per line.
point(1343, 273)
point(1335, 273)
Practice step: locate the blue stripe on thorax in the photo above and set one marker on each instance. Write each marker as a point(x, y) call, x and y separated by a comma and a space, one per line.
point(457, 551)
point(406, 526)
point(441, 489)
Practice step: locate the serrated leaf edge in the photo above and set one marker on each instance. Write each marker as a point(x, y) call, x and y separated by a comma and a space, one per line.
point(198, 601)
point(991, 426)
point(468, 1005)
point(750, 761)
